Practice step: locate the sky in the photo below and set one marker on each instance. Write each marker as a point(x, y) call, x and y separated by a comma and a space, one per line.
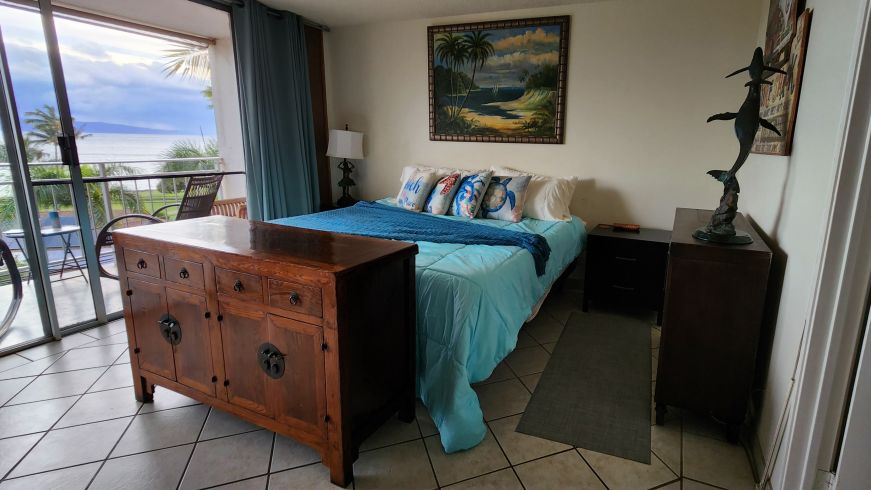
point(112, 76)
point(515, 50)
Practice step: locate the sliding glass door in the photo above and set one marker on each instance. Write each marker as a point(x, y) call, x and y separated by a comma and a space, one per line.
point(50, 233)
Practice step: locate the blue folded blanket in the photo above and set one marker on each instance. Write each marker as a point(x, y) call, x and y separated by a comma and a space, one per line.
point(380, 221)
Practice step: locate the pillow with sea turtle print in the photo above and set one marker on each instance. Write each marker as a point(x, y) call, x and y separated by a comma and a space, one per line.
point(442, 194)
point(505, 198)
point(416, 189)
point(469, 194)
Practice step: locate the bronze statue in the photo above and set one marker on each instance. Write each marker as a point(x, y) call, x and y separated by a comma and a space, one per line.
point(747, 122)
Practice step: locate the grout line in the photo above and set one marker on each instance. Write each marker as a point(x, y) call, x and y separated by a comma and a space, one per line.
point(56, 397)
point(43, 437)
point(271, 454)
point(196, 443)
point(704, 483)
point(425, 449)
point(114, 446)
point(663, 485)
point(591, 467)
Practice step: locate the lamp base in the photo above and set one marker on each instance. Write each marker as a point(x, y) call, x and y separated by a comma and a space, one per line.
point(346, 201)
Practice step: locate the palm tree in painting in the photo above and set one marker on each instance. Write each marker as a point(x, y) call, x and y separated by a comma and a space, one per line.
point(453, 53)
point(479, 51)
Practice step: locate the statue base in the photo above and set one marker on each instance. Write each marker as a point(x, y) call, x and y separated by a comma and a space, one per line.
point(739, 238)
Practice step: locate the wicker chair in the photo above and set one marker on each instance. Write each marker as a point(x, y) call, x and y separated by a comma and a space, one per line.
point(235, 208)
point(197, 201)
point(17, 289)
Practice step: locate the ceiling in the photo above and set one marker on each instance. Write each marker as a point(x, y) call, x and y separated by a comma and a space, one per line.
point(336, 13)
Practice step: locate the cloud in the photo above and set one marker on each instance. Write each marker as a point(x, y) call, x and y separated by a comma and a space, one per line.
point(537, 40)
point(530, 61)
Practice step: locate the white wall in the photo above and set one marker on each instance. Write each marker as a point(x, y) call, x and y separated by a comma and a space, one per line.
point(642, 78)
point(788, 197)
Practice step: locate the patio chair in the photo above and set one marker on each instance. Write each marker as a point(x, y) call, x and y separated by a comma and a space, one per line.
point(6, 258)
point(199, 195)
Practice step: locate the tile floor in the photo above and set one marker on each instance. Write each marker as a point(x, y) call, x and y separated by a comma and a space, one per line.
point(68, 419)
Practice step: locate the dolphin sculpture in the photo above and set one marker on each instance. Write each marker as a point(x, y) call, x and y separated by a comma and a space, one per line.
point(747, 120)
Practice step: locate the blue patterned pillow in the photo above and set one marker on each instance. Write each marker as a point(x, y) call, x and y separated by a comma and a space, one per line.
point(505, 197)
point(470, 194)
point(415, 190)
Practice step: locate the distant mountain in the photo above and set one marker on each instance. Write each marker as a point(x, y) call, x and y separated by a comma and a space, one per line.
point(104, 127)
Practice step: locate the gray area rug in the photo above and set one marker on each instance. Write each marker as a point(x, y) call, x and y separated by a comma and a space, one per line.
point(595, 391)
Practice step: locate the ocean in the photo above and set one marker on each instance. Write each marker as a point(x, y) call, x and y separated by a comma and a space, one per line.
point(112, 148)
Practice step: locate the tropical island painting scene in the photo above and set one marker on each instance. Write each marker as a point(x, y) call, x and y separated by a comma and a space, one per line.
point(498, 81)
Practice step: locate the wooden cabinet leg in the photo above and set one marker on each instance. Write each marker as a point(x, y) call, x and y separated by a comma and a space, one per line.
point(342, 471)
point(660, 413)
point(144, 392)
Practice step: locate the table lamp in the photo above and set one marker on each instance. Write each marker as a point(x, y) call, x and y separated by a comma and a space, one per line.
point(345, 144)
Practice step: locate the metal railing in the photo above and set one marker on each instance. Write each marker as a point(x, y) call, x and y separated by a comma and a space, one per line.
point(114, 188)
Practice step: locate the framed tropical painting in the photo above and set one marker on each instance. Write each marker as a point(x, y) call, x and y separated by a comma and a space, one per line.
point(499, 82)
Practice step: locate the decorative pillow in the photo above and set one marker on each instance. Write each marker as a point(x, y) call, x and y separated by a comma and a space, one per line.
point(439, 200)
point(470, 194)
point(547, 198)
point(416, 189)
point(505, 197)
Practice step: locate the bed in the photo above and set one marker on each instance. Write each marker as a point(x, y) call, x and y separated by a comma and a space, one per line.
point(471, 302)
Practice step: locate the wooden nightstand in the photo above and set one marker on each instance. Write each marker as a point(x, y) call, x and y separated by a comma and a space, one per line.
point(627, 268)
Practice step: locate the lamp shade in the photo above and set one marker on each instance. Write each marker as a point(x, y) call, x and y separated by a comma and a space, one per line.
point(345, 144)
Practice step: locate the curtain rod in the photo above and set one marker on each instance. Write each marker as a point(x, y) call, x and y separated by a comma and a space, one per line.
point(226, 5)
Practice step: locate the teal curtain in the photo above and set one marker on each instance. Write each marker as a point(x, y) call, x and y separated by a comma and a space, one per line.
point(277, 123)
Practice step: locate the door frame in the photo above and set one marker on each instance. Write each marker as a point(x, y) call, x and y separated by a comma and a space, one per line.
point(836, 322)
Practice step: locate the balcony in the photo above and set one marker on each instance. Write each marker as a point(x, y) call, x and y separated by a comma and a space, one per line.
point(113, 189)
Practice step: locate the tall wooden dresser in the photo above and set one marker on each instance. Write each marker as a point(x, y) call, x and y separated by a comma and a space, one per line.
point(714, 301)
point(305, 333)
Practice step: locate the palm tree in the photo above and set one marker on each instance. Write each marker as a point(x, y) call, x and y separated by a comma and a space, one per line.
point(186, 149)
point(478, 50)
point(47, 128)
point(32, 152)
point(190, 62)
point(453, 53)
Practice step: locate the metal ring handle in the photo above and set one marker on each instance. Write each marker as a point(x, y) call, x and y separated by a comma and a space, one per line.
point(294, 298)
point(183, 273)
point(238, 286)
point(142, 264)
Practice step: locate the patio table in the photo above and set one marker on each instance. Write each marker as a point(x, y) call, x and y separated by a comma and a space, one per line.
point(65, 233)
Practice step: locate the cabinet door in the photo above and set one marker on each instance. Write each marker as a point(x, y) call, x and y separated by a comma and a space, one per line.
point(148, 305)
point(193, 354)
point(243, 330)
point(298, 398)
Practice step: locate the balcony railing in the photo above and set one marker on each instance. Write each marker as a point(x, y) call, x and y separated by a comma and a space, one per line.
point(113, 189)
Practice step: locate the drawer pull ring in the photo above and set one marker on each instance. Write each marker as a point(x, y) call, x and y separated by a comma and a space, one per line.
point(142, 264)
point(271, 360)
point(183, 273)
point(626, 259)
point(170, 329)
point(294, 298)
point(226, 382)
point(214, 379)
point(237, 286)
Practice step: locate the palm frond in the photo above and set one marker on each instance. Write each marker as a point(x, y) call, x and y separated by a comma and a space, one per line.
point(187, 62)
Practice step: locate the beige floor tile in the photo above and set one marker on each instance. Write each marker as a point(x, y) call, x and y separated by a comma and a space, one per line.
point(225, 460)
point(531, 381)
point(522, 447)
point(58, 385)
point(424, 421)
point(696, 485)
point(103, 405)
point(165, 399)
point(654, 365)
point(75, 478)
point(455, 467)
point(393, 431)
point(655, 335)
point(33, 417)
point(498, 480)
point(671, 486)
point(702, 425)
point(401, 466)
point(162, 429)
point(11, 387)
point(716, 462)
point(524, 339)
point(530, 360)
point(34, 368)
point(620, 474)
point(500, 373)
point(288, 453)
point(665, 442)
point(12, 449)
point(258, 483)
point(544, 329)
point(549, 346)
point(312, 477)
point(144, 471)
point(502, 399)
point(220, 424)
point(563, 470)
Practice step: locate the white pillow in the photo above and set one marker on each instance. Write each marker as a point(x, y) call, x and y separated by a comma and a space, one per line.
point(416, 189)
point(442, 172)
point(547, 198)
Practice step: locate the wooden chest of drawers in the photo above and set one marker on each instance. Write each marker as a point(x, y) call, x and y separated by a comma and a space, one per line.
point(715, 298)
point(305, 333)
point(626, 268)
